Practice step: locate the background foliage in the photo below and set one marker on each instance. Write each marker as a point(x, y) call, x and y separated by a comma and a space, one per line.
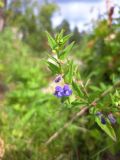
point(30, 113)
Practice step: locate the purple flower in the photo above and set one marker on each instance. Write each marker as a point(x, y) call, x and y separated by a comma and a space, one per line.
point(101, 116)
point(111, 118)
point(62, 92)
point(57, 79)
point(103, 121)
point(66, 90)
point(58, 92)
point(98, 113)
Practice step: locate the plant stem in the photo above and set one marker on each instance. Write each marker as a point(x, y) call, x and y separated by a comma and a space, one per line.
point(81, 113)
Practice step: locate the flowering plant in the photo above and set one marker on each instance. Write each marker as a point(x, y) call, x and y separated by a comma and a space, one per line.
point(73, 92)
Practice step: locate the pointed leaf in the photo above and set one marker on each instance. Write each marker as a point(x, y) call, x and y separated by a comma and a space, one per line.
point(94, 88)
point(66, 38)
point(54, 59)
point(64, 54)
point(76, 87)
point(107, 128)
point(60, 35)
point(54, 68)
point(51, 41)
point(70, 72)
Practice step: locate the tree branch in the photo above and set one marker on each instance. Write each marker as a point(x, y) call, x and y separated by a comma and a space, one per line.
point(81, 113)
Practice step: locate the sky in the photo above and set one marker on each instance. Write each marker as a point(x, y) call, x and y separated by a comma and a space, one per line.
point(80, 12)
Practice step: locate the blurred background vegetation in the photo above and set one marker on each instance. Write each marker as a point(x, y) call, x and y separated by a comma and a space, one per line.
point(29, 113)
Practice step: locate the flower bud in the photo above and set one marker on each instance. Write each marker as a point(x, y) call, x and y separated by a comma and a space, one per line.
point(111, 118)
point(103, 121)
point(58, 79)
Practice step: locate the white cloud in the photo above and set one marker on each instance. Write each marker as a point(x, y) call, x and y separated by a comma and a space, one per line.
point(79, 13)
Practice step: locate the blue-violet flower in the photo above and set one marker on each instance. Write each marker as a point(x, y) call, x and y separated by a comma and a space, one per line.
point(101, 116)
point(58, 79)
point(58, 92)
point(98, 113)
point(66, 90)
point(111, 118)
point(103, 121)
point(62, 92)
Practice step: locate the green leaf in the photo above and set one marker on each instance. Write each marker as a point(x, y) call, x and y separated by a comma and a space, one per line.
point(51, 41)
point(76, 87)
point(66, 38)
point(94, 88)
point(65, 52)
point(60, 35)
point(54, 59)
point(93, 110)
point(78, 103)
point(27, 117)
point(103, 86)
point(54, 68)
point(107, 128)
point(70, 72)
